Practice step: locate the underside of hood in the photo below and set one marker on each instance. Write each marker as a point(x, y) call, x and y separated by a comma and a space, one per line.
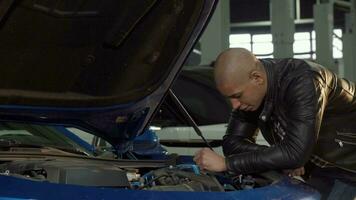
point(112, 59)
point(90, 53)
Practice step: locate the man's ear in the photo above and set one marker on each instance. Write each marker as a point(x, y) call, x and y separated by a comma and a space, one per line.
point(256, 77)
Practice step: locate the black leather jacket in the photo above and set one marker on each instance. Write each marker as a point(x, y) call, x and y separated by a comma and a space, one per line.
point(308, 114)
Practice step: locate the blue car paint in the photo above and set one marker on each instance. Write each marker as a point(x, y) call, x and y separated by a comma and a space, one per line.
point(12, 187)
point(4, 198)
point(148, 144)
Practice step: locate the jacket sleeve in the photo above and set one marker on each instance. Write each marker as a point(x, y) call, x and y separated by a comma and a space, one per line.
point(241, 133)
point(304, 109)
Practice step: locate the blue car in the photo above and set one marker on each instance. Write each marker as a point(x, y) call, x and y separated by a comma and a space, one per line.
point(74, 70)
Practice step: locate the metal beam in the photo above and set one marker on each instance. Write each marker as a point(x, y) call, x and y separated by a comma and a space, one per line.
point(282, 27)
point(349, 42)
point(324, 21)
point(297, 9)
point(216, 35)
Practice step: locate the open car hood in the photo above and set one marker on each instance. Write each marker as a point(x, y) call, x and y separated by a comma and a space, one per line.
point(102, 66)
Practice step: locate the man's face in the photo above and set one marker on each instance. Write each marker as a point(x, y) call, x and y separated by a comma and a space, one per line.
point(246, 96)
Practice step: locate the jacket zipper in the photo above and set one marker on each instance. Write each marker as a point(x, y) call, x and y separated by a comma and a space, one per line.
point(341, 142)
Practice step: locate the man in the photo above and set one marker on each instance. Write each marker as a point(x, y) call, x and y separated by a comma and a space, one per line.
point(303, 110)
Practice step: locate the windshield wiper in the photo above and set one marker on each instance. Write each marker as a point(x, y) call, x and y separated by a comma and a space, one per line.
point(70, 150)
point(8, 143)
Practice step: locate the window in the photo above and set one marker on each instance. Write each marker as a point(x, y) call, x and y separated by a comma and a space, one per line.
point(337, 43)
point(260, 44)
point(240, 40)
point(304, 44)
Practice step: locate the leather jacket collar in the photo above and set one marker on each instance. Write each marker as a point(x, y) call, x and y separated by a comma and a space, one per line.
point(269, 67)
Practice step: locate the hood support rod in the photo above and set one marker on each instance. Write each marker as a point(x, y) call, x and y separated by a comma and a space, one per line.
point(188, 117)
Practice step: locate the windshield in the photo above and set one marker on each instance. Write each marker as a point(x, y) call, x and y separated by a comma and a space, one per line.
point(67, 139)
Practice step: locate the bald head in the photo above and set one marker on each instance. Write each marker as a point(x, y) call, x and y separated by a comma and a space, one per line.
point(241, 77)
point(234, 65)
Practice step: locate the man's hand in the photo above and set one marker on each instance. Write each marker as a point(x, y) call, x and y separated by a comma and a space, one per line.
point(295, 172)
point(207, 159)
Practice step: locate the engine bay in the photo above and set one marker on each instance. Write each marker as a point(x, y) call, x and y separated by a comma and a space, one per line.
point(183, 177)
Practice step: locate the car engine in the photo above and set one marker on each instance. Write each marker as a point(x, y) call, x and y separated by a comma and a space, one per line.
point(180, 179)
point(173, 178)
